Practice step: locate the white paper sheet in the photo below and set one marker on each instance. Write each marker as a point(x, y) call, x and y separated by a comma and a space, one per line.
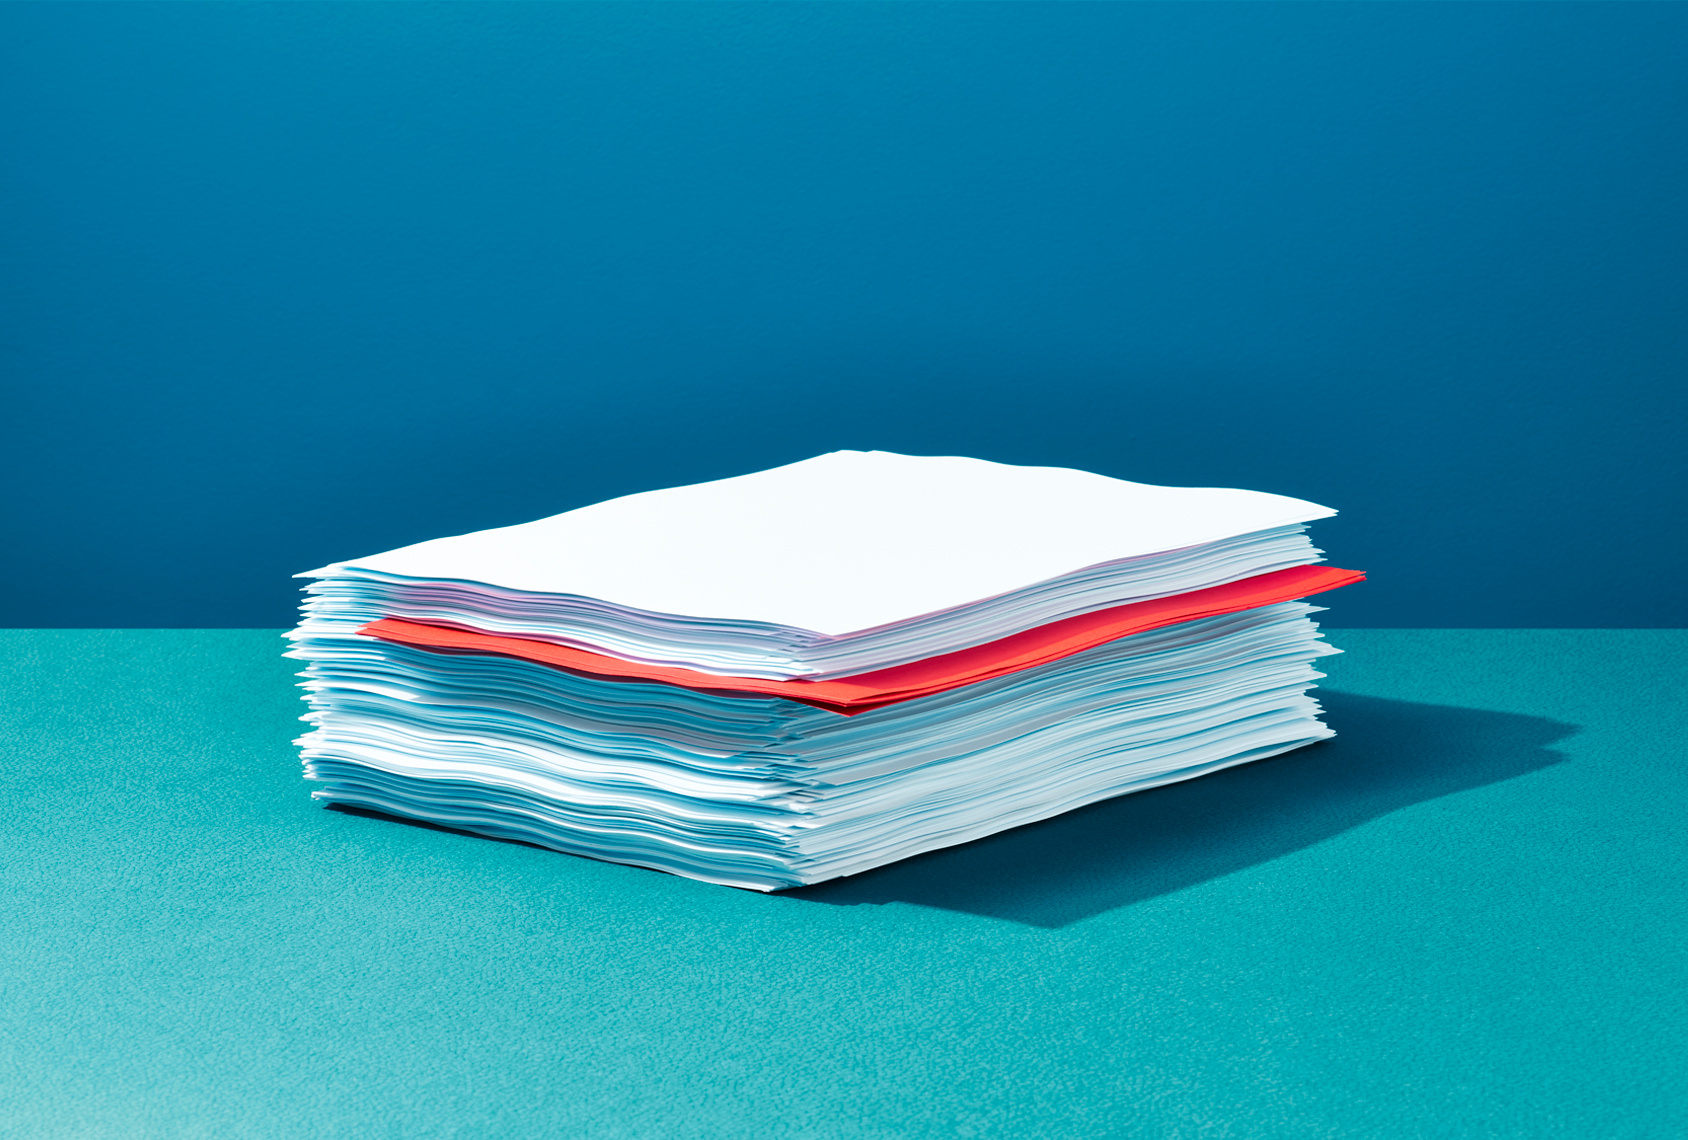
point(842, 542)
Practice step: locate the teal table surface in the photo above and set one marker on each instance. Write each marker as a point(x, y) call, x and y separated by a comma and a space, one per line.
point(1464, 917)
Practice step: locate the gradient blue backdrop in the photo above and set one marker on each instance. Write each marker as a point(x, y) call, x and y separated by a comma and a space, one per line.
point(285, 283)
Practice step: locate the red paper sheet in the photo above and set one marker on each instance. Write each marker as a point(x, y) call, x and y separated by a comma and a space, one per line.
point(946, 671)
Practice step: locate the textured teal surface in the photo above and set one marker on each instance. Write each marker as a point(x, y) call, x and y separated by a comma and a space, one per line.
point(1463, 918)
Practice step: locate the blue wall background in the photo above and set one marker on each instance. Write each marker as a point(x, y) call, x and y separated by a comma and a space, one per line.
point(288, 283)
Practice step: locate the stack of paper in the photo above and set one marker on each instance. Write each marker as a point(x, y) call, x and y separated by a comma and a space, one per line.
point(789, 676)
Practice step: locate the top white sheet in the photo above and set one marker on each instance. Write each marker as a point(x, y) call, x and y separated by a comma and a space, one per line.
point(842, 542)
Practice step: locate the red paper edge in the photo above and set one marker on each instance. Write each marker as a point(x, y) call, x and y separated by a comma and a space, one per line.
point(882, 687)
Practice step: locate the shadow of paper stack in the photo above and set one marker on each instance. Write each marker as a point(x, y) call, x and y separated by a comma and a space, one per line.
point(1389, 754)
